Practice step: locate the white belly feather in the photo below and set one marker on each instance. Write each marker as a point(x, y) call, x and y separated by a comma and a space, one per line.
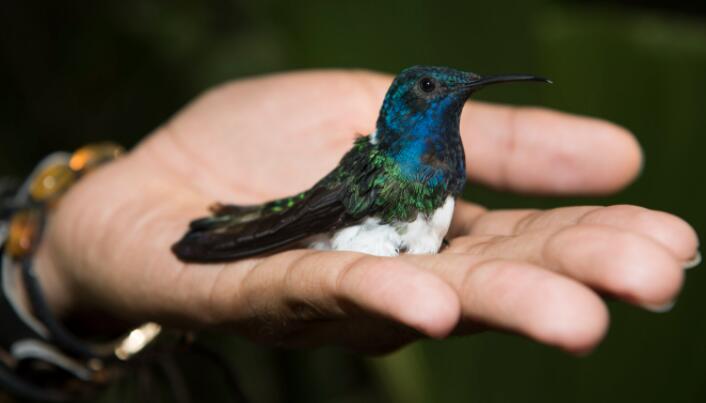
point(423, 235)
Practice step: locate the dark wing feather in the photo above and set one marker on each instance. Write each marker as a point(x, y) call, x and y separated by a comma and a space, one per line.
point(223, 238)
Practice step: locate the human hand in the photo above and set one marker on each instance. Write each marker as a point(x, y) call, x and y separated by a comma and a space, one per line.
point(537, 273)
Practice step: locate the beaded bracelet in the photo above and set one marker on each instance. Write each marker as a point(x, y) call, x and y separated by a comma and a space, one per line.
point(35, 346)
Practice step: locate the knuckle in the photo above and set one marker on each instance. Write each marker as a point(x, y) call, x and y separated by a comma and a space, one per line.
point(345, 278)
point(616, 215)
point(299, 269)
point(495, 274)
point(643, 270)
point(526, 222)
point(626, 245)
point(625, 209)
point(483, 245)
point(245, 297)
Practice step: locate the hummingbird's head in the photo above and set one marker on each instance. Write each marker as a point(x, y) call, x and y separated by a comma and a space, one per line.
point(424, 99)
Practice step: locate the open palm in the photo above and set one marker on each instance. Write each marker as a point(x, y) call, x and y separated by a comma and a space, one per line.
point(538, 273)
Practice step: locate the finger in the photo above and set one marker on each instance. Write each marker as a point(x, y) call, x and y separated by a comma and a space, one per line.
point(622, 263)
point(305, 285)
point(666, 229)
point(523, 298)
point(464, 218)
point(537, 150)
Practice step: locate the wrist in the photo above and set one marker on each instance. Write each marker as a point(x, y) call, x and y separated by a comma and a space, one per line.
point(53, 281)
point(66, 260)
point(39, 293)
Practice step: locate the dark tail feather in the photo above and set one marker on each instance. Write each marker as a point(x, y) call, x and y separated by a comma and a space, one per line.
point(219, 239)
point(201, 247)
point(222, 238)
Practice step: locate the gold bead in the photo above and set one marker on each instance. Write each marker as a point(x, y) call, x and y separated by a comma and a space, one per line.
point(93, 155)
point(23, 233)
point(52, 181)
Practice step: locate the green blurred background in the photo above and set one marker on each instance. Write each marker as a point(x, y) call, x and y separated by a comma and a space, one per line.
point(76, 72)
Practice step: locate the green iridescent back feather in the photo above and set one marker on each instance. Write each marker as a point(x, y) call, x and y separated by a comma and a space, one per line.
point(277, 206)
point(375, 186)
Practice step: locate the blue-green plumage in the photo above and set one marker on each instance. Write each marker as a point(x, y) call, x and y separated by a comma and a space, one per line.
point(393, 191)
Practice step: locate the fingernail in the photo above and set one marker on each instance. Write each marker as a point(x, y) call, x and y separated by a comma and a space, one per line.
point(693, 262)
point(660, 308)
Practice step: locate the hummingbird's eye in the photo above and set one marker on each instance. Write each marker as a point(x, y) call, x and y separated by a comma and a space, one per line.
point(426, 84)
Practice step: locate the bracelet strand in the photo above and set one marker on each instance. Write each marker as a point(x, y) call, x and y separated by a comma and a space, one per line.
point(38, 336)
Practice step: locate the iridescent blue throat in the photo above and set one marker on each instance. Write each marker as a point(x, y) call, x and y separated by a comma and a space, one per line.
point(424, 139)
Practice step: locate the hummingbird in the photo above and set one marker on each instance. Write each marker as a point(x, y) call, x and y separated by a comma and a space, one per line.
point(393, 192)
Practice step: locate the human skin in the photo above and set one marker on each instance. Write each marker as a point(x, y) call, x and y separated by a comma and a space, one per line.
point(537, 273)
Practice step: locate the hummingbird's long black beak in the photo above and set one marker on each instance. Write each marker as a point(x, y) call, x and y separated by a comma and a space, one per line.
point(480, 82)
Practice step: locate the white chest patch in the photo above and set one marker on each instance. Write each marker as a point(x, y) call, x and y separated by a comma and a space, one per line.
point(423, 235)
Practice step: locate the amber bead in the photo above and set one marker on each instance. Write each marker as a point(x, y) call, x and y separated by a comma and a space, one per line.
point(23, 233)
point(91, 156)
point(52, 181)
